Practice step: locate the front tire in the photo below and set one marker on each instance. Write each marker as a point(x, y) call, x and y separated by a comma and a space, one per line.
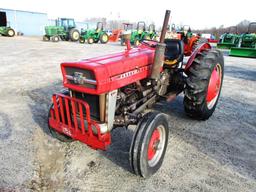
point(203, 85)
point(46, 38)
point(55, 38)
point(149, 144)
point(90, 40)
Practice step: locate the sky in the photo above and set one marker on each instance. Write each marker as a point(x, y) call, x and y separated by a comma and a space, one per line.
point(198, 14)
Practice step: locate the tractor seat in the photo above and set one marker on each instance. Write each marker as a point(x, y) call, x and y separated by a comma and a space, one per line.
point(174, 51)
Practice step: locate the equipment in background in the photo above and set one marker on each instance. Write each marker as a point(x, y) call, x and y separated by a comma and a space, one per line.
point(151, 33)
point(136, 35)
point(246, 44)
point(114, 91)
point(94, 35)
point(4, 29)
point(229, 39)
point(64, 29)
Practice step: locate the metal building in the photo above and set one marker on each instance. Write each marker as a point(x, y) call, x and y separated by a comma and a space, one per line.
point(26, 22)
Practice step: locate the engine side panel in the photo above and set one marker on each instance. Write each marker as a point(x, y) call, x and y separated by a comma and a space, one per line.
point(110, 72)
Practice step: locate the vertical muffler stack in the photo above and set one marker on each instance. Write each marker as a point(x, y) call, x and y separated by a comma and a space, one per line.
point(160, 49)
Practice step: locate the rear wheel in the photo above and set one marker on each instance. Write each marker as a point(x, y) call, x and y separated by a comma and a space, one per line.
point(54, 133)
point(74, 35)
point(203, 85)
point(104, 38)
point(149, 144)
point(10, 32)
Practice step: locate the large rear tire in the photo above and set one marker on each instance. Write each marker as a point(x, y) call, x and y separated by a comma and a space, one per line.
point(54, 133)
point(74, 35)
point(203, 85)
point(149, 144)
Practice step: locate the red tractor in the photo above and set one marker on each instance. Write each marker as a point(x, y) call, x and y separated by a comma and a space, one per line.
point(115, 90)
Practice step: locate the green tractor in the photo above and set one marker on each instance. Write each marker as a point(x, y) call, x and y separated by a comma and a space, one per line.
point(136, 35)
point(229, 39)
point(94, 35)
point(4, 29)
point(65, 29)
point(247, 44)
point(152, 34)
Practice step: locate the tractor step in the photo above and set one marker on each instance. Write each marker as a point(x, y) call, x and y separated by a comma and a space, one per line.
point(71, 116)
point(243, 52)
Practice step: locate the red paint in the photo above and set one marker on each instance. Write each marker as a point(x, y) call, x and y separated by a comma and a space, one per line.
point(108, 68)
point(214, 85)
point(152, 144)
point(77, 129)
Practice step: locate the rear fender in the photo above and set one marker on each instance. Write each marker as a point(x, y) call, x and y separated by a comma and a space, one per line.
point(200, 48)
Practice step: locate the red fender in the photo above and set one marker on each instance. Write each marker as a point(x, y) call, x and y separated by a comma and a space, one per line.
point(199, 49)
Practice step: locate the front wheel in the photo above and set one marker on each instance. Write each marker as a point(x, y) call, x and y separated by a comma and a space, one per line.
point(90, 40)
point(149, 144)
point(203, 85)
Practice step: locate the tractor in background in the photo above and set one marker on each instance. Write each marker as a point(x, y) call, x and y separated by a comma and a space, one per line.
point(151, 33)
point(246, 44)
point(94, 35)
point(64, 29)
point(119, 90)
point(229, 39)
point(136, 35)
point(4, 29)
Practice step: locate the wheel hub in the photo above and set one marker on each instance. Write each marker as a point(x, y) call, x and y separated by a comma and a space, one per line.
point(153, 144)
point(214, 86)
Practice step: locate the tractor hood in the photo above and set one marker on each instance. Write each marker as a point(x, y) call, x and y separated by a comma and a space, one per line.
point(106, 73)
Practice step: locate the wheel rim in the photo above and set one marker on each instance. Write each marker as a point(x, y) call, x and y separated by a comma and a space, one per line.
point(10, 33)
point(156, 145)
point(90, 41)
point(75, 35)
point(214, 86)
point(104, 38)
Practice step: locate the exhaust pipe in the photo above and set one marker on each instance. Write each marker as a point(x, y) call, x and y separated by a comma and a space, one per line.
point(160, 49)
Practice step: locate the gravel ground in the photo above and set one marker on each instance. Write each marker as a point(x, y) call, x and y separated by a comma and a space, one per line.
point(214, 155)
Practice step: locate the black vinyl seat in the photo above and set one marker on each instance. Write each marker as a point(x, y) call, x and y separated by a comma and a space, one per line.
point(174, 50)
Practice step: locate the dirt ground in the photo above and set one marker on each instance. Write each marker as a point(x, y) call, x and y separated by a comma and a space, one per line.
point(214, 155)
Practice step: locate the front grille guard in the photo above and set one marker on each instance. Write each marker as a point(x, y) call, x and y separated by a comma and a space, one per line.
point(67, 117)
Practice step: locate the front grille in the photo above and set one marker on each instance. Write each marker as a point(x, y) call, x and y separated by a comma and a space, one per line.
point(92, 100)
point(86, 78)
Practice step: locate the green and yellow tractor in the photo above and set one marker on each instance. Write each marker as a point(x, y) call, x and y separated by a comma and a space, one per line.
point(94, 35)
point(152, 34)
point(4, 29)
point(64, 29)
point(229, 39)
point(136, 35)
point(247, 43)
